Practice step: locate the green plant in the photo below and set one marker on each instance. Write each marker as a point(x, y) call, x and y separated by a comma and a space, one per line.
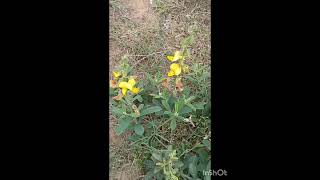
point(128, 107)
point(163, 165)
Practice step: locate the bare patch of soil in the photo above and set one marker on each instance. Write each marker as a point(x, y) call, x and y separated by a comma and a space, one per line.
point(141, 9)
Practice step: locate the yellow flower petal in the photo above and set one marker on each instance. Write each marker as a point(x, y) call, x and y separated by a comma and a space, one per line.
point(124, 91)
point(116, 74)
point(132, 82)
point(176, 68)
point(177, 71)
point(135, 90)
point(170, 58)
point(171, 73)
point(125, 85)
point(177, 56)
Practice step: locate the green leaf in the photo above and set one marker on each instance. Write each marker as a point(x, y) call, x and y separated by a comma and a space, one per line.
point(191, 106)
point(203, 156)
point(192, 79)
point(208, 165)
point(173, 124)
point(187, 41)
point(140, 106)
point(178, 106)
point(190, 99)
point(130, 127)
point(128, 99)
point(181, 104)
point(138, 97)
point(149, 78)
point(171, 101)
point(123, 125)
point(166, 112)
point(200, 145)
point(134, 115)
point(156, 102)
point(112, 92)
point(207, 109)
point(199, 105)
point(186, 91)
point(185, 110)
point(133, 138)
point(116, 111)
point(207, 143)
point(180, 118)
point(166, 105)
point(208, 168)
point(138, 129)
point(178, 164)
point(156, 169)
point(192, 170)
point(150, 110)
point(159, 113)
point(157, 156)
point(148, 164)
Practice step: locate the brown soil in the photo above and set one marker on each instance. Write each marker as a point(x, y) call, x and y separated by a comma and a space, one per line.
point(141, 9)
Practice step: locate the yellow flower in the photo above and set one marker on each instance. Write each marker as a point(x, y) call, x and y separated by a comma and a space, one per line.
point(175, 68)
point(177, 55)
point(135, 90)
point(124, 91)
point(125, 85)
point(116, 74)
point(171, 73)
point(132, 82)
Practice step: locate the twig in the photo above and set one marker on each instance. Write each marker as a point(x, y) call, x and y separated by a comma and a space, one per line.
point(144, 56)
point(161, 142)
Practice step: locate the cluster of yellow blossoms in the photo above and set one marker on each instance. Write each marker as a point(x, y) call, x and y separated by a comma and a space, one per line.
point(177, 68)
point(124, 86)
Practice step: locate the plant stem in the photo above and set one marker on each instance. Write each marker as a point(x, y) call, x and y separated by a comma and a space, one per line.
point(188, 150)
point(161, 142)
